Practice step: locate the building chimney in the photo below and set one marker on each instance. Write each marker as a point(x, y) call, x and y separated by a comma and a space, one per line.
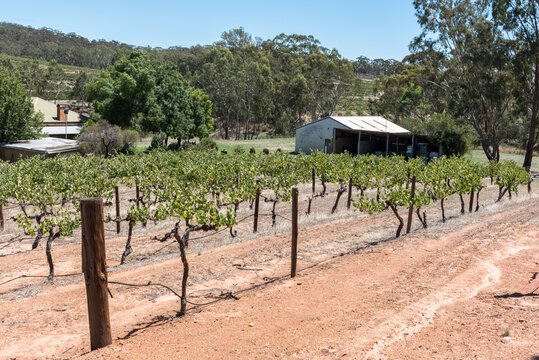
point(60, 112)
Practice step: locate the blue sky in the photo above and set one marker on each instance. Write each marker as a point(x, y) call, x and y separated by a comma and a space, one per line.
point(375, 28)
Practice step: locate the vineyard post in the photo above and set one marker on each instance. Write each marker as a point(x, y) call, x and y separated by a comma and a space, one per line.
point(117, 193)
point(411, 209)
point(257, 202)
point(2, 226)
point(294, 254)
point(314, 179)
point(349, 202)
point(94, 267)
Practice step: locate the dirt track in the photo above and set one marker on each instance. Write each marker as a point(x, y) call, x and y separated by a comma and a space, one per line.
point(463, 289)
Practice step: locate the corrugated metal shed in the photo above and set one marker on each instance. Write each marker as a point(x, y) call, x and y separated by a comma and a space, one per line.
point(370, 123)
point(47, 146)
point(354, 134)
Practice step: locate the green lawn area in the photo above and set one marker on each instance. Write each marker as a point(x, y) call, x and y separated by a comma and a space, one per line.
point(285, 144)
point(479, 156)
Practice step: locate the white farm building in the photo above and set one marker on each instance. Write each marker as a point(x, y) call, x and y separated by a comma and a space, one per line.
point(357, 135)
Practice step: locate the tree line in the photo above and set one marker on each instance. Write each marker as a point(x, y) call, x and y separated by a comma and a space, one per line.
point(474, 69)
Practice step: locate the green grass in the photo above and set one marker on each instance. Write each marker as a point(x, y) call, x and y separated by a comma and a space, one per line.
point(285, 144)
point(479, 156)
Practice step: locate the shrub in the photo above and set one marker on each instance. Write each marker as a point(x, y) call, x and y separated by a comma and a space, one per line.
point(443, 130)
point(158, 141)
point(238, 149)
point(106, 139)
point(206, 144)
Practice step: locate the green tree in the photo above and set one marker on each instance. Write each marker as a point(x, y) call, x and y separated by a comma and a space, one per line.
point(520, 20)
point(169, 111)
point(468, 62)
point(218, 78)
point(56, 79)
point(78, 92)
point(201, 110)
point(17, 118)
point(124, 90)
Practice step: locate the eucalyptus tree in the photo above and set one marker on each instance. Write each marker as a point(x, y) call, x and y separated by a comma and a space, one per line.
point(17, 118)
point(469, 62)
point(520, 19)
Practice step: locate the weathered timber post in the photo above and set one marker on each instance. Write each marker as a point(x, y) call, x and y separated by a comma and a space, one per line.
point(294, 254)
point(117, 193)
point(314, 179)
point(94, 267)
point(411, 209)
point(257, 203)
point(349, 202)
point(2, 223)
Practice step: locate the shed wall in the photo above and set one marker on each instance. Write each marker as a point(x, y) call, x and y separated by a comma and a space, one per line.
point(313, 136)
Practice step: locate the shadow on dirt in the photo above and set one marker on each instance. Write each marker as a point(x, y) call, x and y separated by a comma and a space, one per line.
point(517, 295)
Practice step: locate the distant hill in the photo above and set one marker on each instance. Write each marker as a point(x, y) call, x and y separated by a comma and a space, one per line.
point(69, 49)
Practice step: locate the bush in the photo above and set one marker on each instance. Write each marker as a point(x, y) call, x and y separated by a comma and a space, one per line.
point(105, 139)
point(238, 149)
point(442, 130)
point(206, 145)
point(158, 141)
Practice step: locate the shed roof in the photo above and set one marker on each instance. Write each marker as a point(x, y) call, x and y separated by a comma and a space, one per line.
point(47, 145)
point(368, 123)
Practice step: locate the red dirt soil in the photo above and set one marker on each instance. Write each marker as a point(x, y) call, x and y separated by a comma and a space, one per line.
point(460, 290)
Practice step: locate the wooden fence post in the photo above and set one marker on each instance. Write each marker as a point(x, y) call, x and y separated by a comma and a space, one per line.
point(257, 202)
point(294, 255)
point(411, 209)
point(117, 193)
point(94, 267)
point(349, 202)
point(2, 224)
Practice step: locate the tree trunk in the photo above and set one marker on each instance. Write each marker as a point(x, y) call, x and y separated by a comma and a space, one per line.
point(470, 208)
point(181, 243)
point(309, 205)
point(273, 214)
point(461, 204)
point(443, 210)
point(128, 250)
point(341, 190)
point(477, 199)
point(422, 219)
point(401, 221)
point(533, 125)
point(51, 238)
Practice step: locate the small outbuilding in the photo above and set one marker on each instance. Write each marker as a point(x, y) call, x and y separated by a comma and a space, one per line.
point(48, 146)
point(357, 135)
